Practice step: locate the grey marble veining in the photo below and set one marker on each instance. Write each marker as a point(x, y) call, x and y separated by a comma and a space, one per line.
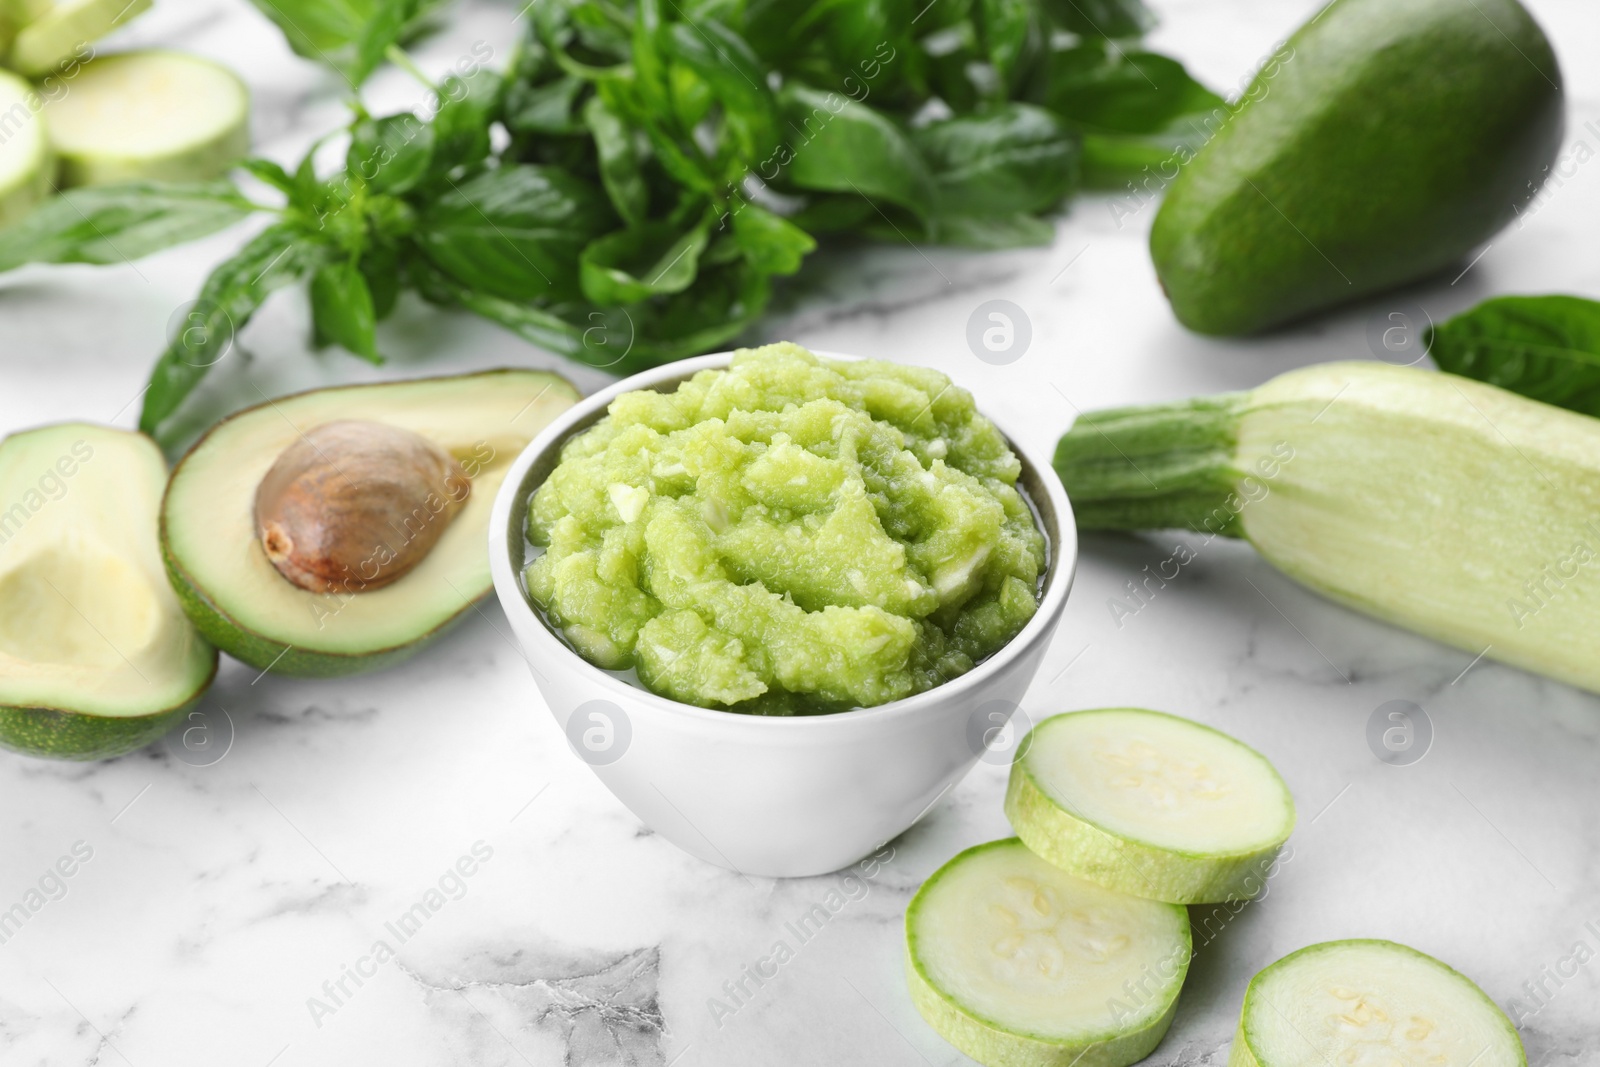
point(233, 913)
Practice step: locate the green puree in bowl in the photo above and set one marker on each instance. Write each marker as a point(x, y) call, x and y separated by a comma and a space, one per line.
point(792, 535)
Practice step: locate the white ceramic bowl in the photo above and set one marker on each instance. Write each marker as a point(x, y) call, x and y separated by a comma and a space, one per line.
point(780, 797)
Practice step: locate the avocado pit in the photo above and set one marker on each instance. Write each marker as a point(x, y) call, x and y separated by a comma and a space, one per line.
point(354, 505)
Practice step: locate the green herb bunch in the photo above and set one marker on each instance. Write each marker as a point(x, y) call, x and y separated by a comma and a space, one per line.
point(627, 190)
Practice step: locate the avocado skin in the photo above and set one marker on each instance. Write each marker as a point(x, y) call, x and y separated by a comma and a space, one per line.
point(1398, 136)
point(264, 654)
point(71, 735)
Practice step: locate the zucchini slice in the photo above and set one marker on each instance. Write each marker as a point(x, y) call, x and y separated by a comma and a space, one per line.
point(26, 167)
point(155, 115)
point(1376, 1002)
point(1149, 804)
point(53, 32)
point(1019, 964)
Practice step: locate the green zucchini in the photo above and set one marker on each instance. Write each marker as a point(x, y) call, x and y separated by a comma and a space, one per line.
point(150, 116)
point(27, 167)
point(1443, 505)
point(1369, 1002)
point(1149, 804)
point(1019, 964)
point(53, 33)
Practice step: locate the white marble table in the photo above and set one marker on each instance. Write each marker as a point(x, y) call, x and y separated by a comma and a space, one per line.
point(217, 901)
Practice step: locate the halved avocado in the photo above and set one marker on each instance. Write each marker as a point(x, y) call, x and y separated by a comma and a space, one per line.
point(238, 598)
point(96, 656)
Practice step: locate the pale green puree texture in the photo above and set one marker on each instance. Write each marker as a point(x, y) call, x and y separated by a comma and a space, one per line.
point(792, 535)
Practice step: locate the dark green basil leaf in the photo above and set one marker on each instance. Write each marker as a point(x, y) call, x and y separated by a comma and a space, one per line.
point(643, 261)
point(619, 161)
point(390, 154)
point(737, 78)
point(318, 28)
point(380, 266)
point(723, 304)
point(342, 311)
point(1015, 159)
point(120, 223)
point(769, 242)
point(1103, 86)
point(515, 232)
point(234, 291)
point(1101, 18)
point(1544, 347)
point(267, 171)
point(547, 108)
point(1112, 160)
point(1013, 36)
point(994, 231)
point(834, 213)
point(467, 107)
point(678, 155)
point(865, 31)
point(347, 35)
point(382, 28)
point(950, 57)
point(846, 147)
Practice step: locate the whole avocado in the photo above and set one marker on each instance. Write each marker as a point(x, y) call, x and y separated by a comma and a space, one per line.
point(1387, 140)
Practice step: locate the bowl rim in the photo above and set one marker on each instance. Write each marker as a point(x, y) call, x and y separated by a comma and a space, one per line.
point(1059, 572)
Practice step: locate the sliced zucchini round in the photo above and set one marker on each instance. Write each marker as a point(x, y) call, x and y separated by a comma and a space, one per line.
point(53, 32)
point(96, 656)
point(26, 166)
point(155, 115)
point(1371, 1002)
point(1150, 804)
point(1019, 964)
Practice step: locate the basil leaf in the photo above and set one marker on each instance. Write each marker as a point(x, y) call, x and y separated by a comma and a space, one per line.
point(390, 154)
point(1101, 18)
point(317, 28)
point(547, 108)
point(991, 232)
point(231, 295)
point(770, 243)
point(120, 223)
point(856, 32)
point(1546, 348)
point(342, 310)
point(1013, 37)
point(1014, 159)
point(461, 128)
point(850, 147)
point(1103, 86)
point(1111, 160)
point(679, 156)
point(381, 29)
point(272, 174)
point(348, 35)
point(619, 161)
point(735, 75)
point(644, 261)
point(514, 232)
point(380, 266)
point(622, 340)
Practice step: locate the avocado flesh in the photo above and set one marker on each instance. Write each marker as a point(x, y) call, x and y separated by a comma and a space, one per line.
point(1399, 136)
point(96, 655)
point(237, 597)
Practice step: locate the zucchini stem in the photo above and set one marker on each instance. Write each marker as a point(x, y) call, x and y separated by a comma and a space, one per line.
point(1160, 467)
